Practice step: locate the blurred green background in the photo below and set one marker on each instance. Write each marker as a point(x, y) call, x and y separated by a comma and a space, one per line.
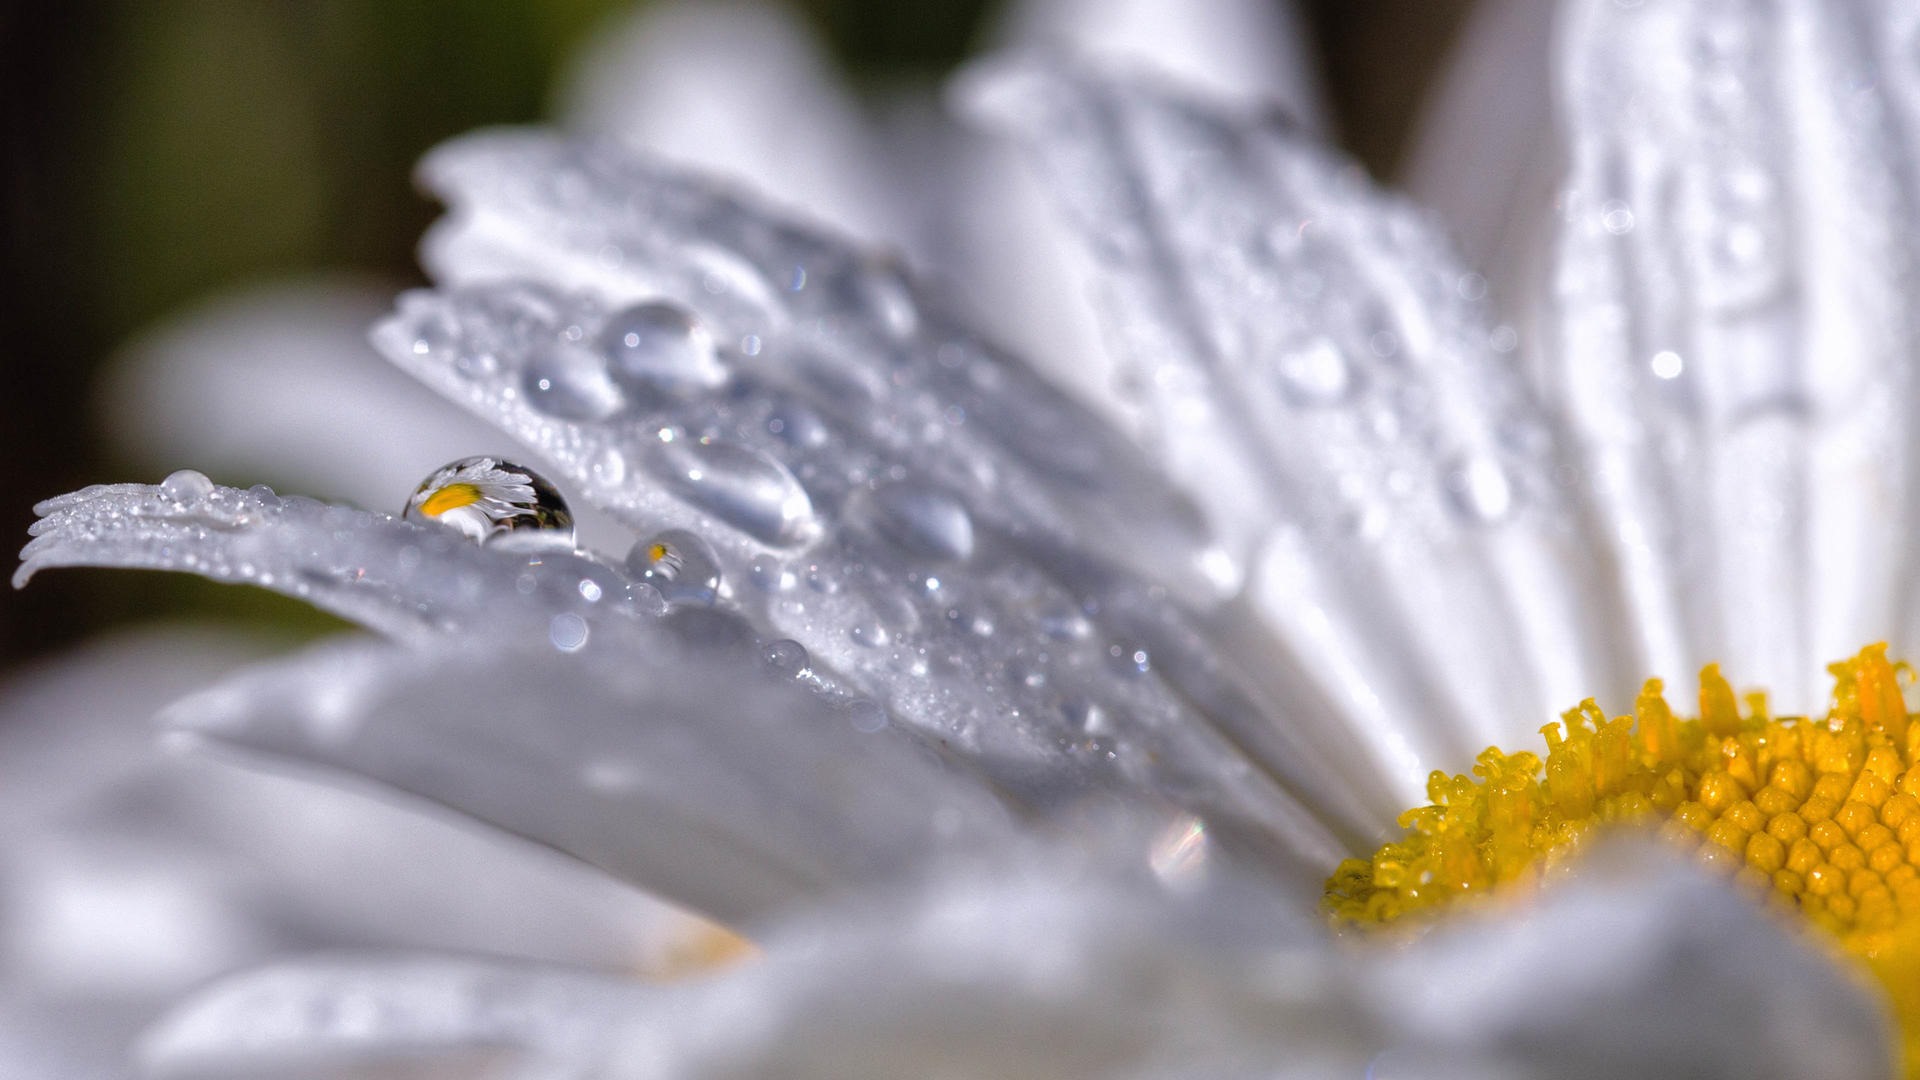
point(158, 152)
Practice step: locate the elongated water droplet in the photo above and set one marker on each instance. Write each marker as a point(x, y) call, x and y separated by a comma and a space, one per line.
point(496, 502)
point(742, 487)
point(924, 520)
point(661, 346)
point(572, 383)
point(679, 564)
point(186, 486)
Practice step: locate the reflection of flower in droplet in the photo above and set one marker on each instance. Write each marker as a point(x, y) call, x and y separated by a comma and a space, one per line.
point(493, 501)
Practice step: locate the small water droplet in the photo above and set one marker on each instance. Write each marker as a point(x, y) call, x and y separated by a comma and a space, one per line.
point(750, 345)
point(679, 564)
point(872, 635)
point(1616, 217)
point(927, 521)
point(590, 590)
point(496, 502)
point(742, 487)
point(770, 573)
point(1667, 364)
point(1315, 374)
point(186, 486)
point(571, 382)
point(1129, 660)
point(1480, 490)
point(788, 657)
point(657, 345)
point(1471, 286)
point(568, 632)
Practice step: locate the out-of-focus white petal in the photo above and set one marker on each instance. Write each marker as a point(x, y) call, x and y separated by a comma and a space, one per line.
point(276, 383)
point(1737, 334)
point(128, 875)
point(1638, 966)
point(1315, 358)
point(348, 1011)
point(741, 90)
point(1486, 157)
point(694, 770)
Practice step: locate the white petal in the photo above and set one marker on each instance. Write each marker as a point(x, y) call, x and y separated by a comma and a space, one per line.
point(1486, 156)
point(1314, 357)
point(733, 790)
point(741, 90)
point(1014, 260)
point(1737, 336)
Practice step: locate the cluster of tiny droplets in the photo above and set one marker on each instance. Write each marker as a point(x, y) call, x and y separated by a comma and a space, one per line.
point(1819, 816)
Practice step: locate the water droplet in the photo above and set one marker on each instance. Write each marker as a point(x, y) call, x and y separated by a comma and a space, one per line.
point(927, 521)
point(872, 635)
point(867, 717)
point(1471, 286)
point(591, 591)
point(679, 564)
point(571, 382)
point(492, 501)
point(770, 573)
point(1315, 374)
point(567, 631)
point(186, 486)
point(888, 300)
point(657, 345)
point(1667, 364)
point(1480, 490)
point(742, 487)
point(1616, 217)
point(788, 657)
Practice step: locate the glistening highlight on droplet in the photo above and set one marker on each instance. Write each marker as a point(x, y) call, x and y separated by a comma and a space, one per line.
point(1817, 816)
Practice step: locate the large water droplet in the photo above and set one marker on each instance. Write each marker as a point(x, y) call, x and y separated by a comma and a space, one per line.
point(1315, 373)
point(565, 380)
point(927, 521)
point(492, 501)
point(742, 487)
point(661, 346)
point(186, 486)
point(679, 564)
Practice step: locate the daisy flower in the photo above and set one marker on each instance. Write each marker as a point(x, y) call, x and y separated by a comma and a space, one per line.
point(1025, 745)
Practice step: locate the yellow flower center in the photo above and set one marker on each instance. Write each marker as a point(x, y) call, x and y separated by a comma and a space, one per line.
point(1821, 816)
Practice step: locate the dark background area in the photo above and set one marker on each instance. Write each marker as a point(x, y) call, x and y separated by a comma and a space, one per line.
point(158, 152)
